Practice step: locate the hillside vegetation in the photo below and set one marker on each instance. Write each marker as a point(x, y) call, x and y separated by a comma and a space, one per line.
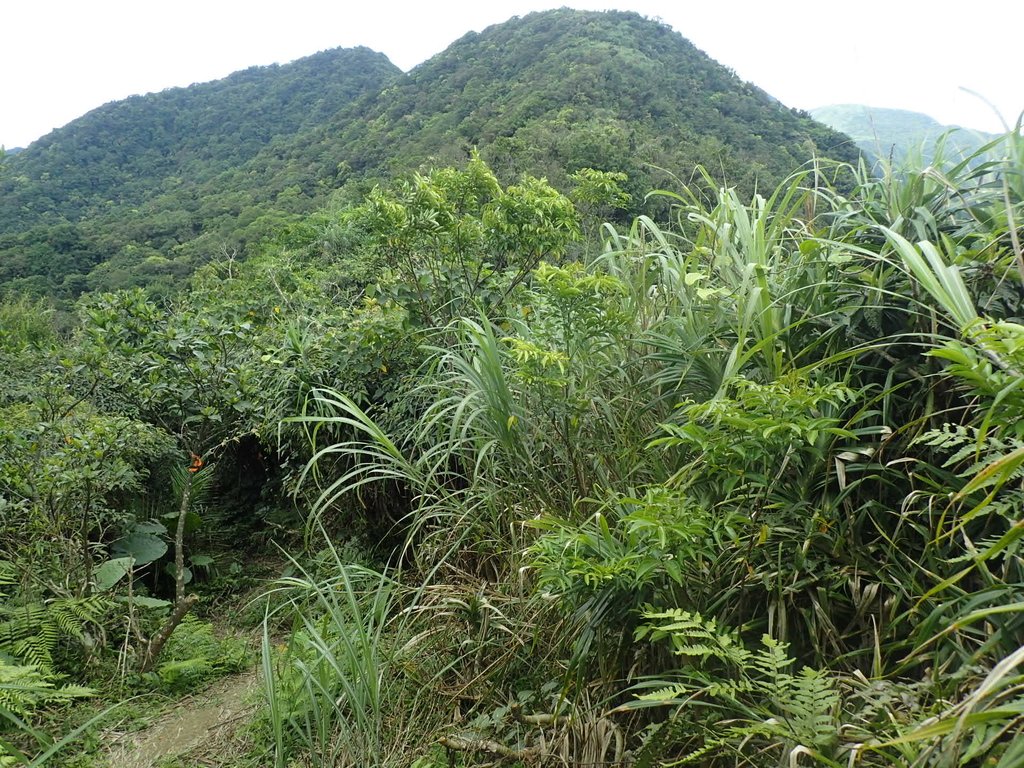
point(140, 192)
point(740, 488)
point(111, 199)
point(503, 474)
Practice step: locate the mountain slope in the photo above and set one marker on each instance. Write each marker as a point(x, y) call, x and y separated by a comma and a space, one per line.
point(124, 151)
point(885, 133)
point(559, 90)
point(140, 191)
point(85, 195)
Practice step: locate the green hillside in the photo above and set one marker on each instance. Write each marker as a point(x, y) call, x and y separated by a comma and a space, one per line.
point(127, 183)
point(126, 151)
point(885, 133)
point(139, 192)
point(558, 91)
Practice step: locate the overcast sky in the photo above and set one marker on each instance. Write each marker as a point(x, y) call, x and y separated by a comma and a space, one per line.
point(61, 58)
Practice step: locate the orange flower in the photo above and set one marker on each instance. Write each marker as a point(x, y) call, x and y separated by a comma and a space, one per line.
point(197, 463)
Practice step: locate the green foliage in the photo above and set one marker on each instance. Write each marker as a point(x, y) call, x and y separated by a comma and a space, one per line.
point(608, 91)
point(31, 632)
point(767, 708)
point(222, 167)
point(186, 373)
point(989, 368)
point(111, 572)
point(142, 546)
point(793, 418)
point(194, 655)
point(67, 473)
point(758, 434)
point(456, 239)
point(33, 656)
point(816, 464)
point(730, 703)
point(25, 324)
point(632, 552)
point(24, 688)
point(339, 691)
point(83, 212)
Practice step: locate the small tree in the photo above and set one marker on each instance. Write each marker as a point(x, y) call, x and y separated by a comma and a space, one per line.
point(457, 241)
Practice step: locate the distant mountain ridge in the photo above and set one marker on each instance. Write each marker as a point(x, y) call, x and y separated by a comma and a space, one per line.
point(138, 192)
point(893, 133)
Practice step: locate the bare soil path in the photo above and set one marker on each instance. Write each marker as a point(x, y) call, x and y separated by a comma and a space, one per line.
point(200, 727)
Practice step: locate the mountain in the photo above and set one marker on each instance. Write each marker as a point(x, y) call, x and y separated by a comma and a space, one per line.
point(556, 91)
point(124, 151)
point(894, 133)
point(139, 191)
point(84, 196)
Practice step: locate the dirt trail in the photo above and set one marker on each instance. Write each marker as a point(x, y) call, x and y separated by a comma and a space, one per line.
point(200, 726)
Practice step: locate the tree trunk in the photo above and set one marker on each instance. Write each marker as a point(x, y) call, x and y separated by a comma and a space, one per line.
point(179, 542)
point(182, 604)
point(160, 638)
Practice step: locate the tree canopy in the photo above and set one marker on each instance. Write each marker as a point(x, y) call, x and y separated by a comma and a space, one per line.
point(139, 192)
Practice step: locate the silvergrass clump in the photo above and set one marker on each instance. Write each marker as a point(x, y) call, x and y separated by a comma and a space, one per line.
point(796, 419)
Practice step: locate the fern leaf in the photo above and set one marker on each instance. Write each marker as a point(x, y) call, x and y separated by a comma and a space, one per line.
point(36, 652)
point(812, 709)
point(668, 693)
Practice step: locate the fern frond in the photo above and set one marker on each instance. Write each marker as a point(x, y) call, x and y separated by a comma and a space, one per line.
point(32, 631)
point(812, 709)
point(965, 443)
point(22, 621)
point(760, 705)
point(72, 615)
point(199, 483)
point(8, 576)
point(693, 635)
point(36, 651)
point(771, 661)
point(69, 692)
point(23, 688)
point(668, 693)
point(174, 672)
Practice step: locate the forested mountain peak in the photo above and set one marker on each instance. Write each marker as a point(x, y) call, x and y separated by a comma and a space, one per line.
point(139, 191)
point(122, 150)
point(564, 89)
point(123, 186)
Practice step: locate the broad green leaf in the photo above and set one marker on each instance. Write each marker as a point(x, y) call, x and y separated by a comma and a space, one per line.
point(112, 571)
point(144, 547)
point(150, 526)
point(169, 570)
point(145, 602)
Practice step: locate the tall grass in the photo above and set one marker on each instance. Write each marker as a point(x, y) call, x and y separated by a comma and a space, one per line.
point(338, 691)
point(799, 416)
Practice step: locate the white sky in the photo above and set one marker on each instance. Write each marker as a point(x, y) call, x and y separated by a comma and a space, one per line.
point(61, 58)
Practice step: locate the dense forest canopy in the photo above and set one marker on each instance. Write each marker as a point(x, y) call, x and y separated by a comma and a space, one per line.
point(140, 192)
